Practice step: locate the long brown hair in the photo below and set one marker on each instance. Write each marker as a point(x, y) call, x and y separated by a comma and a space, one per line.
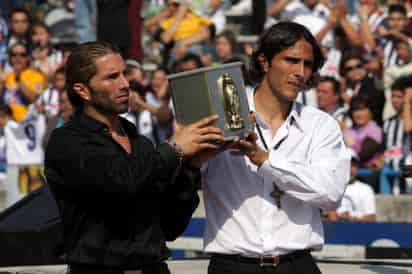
point(81, 67)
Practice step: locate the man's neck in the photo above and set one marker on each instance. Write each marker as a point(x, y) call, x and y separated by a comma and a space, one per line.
point(330, 109)
point(111, 121)
point(270, 108)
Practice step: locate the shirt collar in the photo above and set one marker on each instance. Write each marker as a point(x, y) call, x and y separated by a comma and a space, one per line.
point(93, 125)
point(295, 115)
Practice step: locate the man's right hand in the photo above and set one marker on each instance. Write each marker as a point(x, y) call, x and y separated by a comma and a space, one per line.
point(198, 136)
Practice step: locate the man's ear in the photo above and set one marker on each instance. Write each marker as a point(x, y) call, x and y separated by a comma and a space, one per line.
point(264, 64)
point(82, 90)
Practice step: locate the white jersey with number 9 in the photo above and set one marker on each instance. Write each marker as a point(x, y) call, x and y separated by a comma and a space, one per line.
point(24, 139)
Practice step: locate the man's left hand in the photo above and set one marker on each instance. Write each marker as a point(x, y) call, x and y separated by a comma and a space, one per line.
point(250, 148)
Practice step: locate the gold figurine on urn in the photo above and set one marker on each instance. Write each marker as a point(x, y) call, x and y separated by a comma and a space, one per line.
point(213, 90)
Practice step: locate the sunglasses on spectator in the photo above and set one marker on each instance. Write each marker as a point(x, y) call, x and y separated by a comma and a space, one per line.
point(357, 66)
point(18, 54)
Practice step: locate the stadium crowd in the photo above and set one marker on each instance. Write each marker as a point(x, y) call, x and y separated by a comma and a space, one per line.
point(365, 83)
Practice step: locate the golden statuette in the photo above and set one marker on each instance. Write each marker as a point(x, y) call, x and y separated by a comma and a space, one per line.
point(231, 102)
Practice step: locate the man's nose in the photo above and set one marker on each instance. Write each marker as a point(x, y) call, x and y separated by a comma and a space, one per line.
point(124, 82)
point(299, 69)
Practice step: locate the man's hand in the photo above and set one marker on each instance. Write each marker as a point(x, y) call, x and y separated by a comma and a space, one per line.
point(136, 102)
point(250, 148)
point(364, 11)
point(198, 136)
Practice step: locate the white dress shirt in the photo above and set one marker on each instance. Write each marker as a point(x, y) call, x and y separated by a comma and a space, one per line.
point(307, 159)
point(358, 200)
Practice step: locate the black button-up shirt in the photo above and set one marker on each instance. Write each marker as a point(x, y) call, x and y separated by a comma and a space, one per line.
point(117, 208)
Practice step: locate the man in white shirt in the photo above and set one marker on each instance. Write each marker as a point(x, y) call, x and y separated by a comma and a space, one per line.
point(263, 198)
point(358, 203)
point(328, 97)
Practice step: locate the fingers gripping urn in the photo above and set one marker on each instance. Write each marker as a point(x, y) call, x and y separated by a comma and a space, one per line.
point(217, 90)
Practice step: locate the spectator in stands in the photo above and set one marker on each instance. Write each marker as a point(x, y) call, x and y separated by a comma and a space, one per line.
point(285, 10)
point(358, 203)
point(395, 31)
point(328, 92)
point(65, 113)
point(46, 58)
point(365, 137)
point(3, 43)
point(20, 21)
point(49, 98)
point(358, 81)
point(159, 103)
point(397, 140)
point(86, 20)
point(135, 72)
point(142, 114)
point(183, 32)
point(190, 61)
point(23, 142)
point(369, 18)
point(152, 23)
point(23, 84)
point(396, 71)
point(216, 13)
point(226, 46)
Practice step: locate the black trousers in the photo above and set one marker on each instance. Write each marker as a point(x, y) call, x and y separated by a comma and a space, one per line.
point(302, 264)
point(159, 268)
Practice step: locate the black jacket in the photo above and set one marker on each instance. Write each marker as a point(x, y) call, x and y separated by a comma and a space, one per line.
point(117, 209)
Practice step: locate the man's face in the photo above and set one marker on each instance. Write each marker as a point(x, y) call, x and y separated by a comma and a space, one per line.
point(311, 3)
point(290, 70)
point(327, 99)
point(66, 108)
point(397, 21)
point(172, 6)
point(40, 36)
point(19, 23)
point(223, 48)
point(398, 98)
point(354, 70)
point(59, 81)
point(402, 49)
point(189, 65)
point(19, 58)
point(135, 74)
point(109, 88)
point(361, 116)
point(159, 78)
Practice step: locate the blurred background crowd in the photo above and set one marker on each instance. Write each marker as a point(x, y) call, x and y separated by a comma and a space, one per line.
point(366, 82)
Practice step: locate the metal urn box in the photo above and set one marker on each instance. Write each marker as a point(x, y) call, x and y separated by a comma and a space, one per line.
point(213, 90)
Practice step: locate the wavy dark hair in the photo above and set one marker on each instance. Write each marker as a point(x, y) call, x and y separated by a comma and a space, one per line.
point(279, 37)
point(81, 67)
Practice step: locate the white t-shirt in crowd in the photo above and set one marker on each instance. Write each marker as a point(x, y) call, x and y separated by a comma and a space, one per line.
point(50, 100)
point(358, 200)
point(144, 122)
point(24, 139)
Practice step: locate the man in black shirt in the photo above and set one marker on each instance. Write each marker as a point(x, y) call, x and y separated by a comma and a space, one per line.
point(120, 198)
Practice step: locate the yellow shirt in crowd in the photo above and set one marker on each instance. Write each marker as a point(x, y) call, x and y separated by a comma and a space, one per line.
point(189, 25)
point(35, 82)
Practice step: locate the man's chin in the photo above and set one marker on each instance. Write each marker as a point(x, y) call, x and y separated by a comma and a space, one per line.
point(122, 109)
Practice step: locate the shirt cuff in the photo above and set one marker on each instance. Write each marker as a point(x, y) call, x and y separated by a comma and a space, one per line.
point(170, 158)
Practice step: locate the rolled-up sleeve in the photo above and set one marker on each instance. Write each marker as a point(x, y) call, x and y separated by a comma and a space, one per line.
point(320, 179)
